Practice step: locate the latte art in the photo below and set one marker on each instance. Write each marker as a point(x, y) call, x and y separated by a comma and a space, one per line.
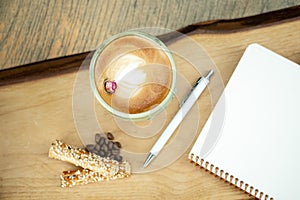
point(142, 81)
point(133, 75)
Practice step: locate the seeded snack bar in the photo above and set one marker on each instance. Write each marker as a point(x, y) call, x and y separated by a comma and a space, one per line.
point(108, 168)
point(85, 176)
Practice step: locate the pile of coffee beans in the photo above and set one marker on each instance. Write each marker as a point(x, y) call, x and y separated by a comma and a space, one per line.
point(106, 147)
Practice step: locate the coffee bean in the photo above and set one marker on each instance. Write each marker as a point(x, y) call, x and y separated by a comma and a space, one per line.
point(90, 147)
point(106, 141)
point(110, 136)
point(104, 148)
point(102, 153)
point(114, 147)
point(94, 151)
point(97, 147)
point(118, 158)
point(113, 157)
point(101, 141)
point(110, 145)
point(115, 151)
point(97, 138)
point(118, 144)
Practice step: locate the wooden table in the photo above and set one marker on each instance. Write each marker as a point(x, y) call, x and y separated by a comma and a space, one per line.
point(36, 109)
point(32, 31)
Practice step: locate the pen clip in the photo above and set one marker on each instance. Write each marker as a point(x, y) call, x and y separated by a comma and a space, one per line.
point(190, 92)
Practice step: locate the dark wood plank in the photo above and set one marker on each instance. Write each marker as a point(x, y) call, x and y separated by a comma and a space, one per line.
point(71, 63)
point(32, 31)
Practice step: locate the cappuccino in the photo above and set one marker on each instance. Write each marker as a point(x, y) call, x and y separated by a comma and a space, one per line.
point(133, 74)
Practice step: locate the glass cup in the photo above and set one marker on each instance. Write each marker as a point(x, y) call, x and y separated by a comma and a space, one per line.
point(133, 75)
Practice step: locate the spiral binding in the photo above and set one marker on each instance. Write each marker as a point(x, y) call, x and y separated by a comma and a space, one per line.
point(228, 178)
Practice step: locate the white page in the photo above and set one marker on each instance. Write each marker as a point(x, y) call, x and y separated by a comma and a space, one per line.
point(259, 141)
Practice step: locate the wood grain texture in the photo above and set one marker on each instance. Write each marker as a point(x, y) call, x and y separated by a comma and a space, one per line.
point(37, 109)
point(32, 31)
point(56, 66)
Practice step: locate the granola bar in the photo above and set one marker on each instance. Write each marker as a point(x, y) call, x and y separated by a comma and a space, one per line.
point(85, 176)
point(106, 167)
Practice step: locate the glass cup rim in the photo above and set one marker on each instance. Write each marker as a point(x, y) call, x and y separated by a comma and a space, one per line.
point(146, 114)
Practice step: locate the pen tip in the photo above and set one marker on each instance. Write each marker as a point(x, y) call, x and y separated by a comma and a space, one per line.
point(210, 73)
point(148, 160)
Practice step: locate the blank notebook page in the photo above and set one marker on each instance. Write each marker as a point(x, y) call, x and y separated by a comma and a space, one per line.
point(258, 141)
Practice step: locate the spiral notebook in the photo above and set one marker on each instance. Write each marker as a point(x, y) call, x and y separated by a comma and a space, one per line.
point(252, 137)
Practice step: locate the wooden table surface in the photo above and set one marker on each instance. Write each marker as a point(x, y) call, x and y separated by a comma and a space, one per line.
point(36, 109)
point(32, 31)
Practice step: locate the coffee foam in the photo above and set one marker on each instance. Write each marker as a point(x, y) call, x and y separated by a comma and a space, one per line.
point(143, 75)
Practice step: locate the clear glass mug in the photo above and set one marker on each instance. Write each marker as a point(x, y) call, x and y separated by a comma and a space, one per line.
point(133, 75)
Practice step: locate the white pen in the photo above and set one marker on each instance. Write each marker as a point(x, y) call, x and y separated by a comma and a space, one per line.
point(186, 105)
